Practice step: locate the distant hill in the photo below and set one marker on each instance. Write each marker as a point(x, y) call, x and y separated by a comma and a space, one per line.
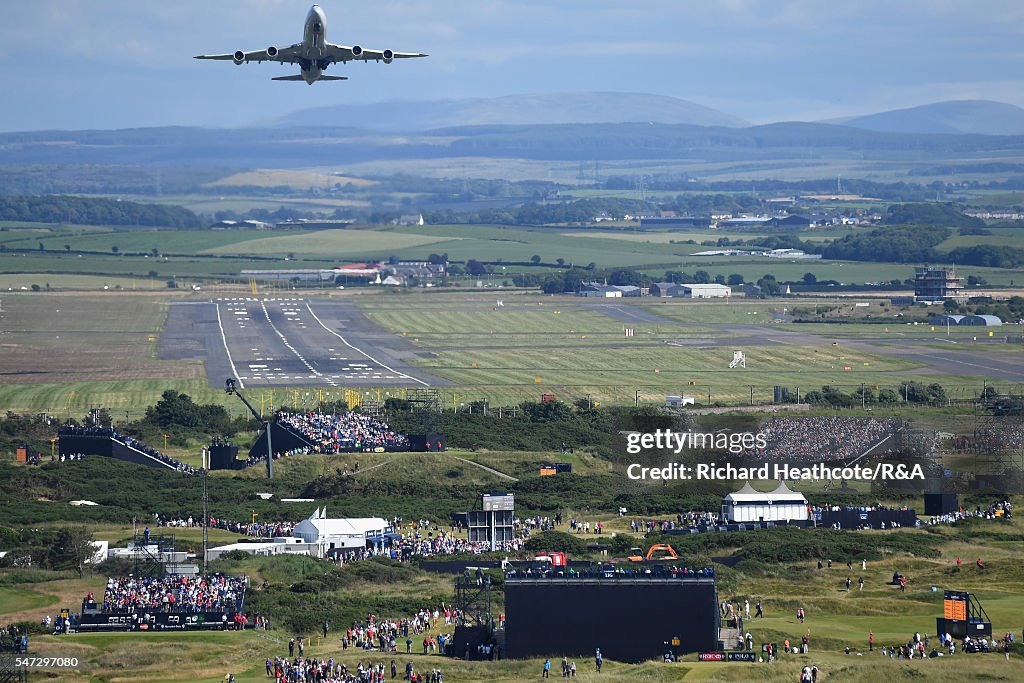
point(976, 117)
point(592, 107)
point(309, 146)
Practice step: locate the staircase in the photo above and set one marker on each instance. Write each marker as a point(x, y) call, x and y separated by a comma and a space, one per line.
point(729, 638)
point(156, 557)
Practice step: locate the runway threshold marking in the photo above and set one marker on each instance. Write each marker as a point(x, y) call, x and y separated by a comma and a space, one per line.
point(355, 348)
point(291, 348)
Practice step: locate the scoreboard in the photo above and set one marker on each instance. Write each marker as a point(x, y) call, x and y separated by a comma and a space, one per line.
point(954, 606)
point(963, 615)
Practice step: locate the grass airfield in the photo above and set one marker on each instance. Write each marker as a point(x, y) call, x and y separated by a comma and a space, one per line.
point(64, 352)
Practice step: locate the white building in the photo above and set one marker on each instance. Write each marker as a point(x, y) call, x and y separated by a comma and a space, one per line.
point(276, 546)
point(780, 505)
point(411, 219)
point(334, 536)
point(708, 291)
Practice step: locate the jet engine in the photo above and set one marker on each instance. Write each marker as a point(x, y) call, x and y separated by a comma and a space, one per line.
point(388, 56)
point(357, 51)
point(271, 51)
point(239, 56)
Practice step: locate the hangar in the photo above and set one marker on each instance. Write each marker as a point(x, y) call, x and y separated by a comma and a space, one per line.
point(706, 291)
point(967, 320)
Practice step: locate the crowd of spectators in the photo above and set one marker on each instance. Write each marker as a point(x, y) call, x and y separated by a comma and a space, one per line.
point(338, 432)
point(130, 442)
point(319, 670)
point(251, 529)
point(813, 439)
point(611, 571)
point(14, 638)
point(1003, 509)
point(684, 520)
point(387, 637)
point(216, 593)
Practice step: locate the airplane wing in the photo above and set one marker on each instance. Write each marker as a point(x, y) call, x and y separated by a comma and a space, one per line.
point(284, 55)
point(343, 53)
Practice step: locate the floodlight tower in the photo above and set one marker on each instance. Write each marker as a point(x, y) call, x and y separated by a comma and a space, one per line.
point(230, 388)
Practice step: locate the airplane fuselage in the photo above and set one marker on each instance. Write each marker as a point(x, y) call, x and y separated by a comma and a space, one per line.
point(314, 37)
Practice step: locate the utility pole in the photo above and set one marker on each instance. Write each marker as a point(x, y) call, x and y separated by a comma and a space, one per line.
point(206, 517)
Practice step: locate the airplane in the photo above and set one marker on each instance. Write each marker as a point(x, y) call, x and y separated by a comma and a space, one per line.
point(314, 54)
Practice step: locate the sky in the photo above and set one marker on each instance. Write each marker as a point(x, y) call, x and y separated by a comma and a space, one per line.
point(77, 64)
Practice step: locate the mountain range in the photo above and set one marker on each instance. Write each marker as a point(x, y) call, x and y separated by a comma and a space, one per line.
point(975, 117)
point(628, 131)
point(954, 117)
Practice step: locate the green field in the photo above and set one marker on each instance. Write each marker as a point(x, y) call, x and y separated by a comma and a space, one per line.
point(536, 323)
point(134, 240)
point(1003, 237)
point(344, 244)
point(215, 253)
point(21, 599)
point(95, 283)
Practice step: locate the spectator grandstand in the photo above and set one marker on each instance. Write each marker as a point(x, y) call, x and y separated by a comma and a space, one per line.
point(340, 432)
point(86, 440)
point(818, 439)
point(216, 593)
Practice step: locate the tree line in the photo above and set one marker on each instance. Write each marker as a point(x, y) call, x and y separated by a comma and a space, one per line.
point(94, 211)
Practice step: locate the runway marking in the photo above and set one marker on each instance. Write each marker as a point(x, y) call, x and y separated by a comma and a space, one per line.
point(292, 348)
point(223, 338)
point(354, 348)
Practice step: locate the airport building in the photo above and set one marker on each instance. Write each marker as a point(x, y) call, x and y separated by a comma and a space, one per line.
point(967, 320)
point(289, 275)
point(937, 285)
point(708, 291)
point(596, 289)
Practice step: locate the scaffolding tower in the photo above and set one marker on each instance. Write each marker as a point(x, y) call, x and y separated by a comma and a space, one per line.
point(427, 402)
point(154, 556)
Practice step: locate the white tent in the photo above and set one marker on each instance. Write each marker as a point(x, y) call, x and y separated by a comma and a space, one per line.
point(334, 535)
point(749, 505)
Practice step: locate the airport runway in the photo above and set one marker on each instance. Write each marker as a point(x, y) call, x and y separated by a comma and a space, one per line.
point(289, 342)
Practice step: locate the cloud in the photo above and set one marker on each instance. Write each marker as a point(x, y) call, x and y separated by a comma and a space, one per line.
point(760, 58)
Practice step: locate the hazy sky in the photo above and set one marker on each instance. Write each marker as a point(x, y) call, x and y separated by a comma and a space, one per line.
point(122, 63)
